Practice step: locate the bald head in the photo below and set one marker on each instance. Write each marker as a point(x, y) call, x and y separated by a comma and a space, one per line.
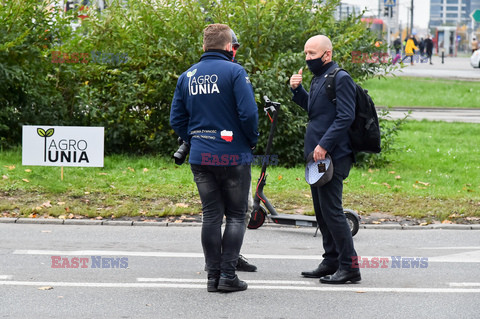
point(318, 45)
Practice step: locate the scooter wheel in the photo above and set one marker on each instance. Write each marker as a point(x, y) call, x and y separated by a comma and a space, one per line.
point(257, 219)
point(353, 222)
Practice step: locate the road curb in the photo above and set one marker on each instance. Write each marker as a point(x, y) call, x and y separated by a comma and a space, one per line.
point(51, 221)
point(82, 222)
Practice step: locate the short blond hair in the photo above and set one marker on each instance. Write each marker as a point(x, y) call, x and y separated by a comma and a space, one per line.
point(216, 36)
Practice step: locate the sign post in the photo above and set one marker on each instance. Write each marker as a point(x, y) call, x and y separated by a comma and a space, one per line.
point(72, 146)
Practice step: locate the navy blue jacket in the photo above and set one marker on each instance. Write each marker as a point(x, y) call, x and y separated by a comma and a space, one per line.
point(214, 109)
point(328, 123)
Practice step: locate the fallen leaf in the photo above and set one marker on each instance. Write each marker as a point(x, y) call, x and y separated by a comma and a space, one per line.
point(418, 187)
point(28, 170)
point(145, 170)
point(386, 185)
point(34, 215)
point(45, 288)
point(61, 203)
point(102, 174)
point(423, 224)
point(178, 221)
point(47, 204)
point(181, 205)
point(67, 209)
point(370, 170)
point(62, 217)
point(423, 183)
point(87, 193)
point(131, 169)
point(376, 222)
point(280, 177)
point(99, 217)
point(398, 177)
point(391, 172)
point(446, 221)
point(5, 177)
point(10, 167)
point(71, 216)
point(25, 180)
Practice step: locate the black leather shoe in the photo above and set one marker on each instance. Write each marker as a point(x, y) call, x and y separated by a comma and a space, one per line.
point(341, 277)
point(229, 285)
point(321, 271)
point(212, 284)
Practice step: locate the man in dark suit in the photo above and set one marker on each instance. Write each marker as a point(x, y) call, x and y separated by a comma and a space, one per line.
point(327, 132)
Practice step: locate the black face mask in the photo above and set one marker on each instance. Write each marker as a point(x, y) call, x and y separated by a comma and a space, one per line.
point(316, 65)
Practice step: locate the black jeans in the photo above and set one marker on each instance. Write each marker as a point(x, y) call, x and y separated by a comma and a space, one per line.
point(224, 192)
point(336, 234)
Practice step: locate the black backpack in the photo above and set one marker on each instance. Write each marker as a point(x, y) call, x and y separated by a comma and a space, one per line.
point(365, 130)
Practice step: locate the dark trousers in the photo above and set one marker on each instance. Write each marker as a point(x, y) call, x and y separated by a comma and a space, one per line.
point(223, 192)
point(336, 234)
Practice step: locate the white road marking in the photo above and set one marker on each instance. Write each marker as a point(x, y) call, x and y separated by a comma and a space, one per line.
point(452, 248)
point(469, 256)
point(464, 284)
point(271, 282)
point(352, 288)
point(465, 257)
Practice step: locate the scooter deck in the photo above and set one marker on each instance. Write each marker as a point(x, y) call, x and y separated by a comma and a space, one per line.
point(295, 220)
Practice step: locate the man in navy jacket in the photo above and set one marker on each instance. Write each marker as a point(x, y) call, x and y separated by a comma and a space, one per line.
point(214, 110)
point(327, 132)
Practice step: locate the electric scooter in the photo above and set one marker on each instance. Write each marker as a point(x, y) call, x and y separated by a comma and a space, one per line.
point(262, 208)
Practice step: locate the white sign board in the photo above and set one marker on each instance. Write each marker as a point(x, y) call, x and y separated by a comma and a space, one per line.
point(44, 145)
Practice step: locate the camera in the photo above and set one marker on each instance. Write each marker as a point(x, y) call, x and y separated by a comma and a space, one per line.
point(181, 154)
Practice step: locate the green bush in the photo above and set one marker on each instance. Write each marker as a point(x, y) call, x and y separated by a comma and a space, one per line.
point(162, 39)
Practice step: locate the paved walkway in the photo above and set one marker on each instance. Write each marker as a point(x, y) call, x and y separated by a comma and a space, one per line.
point(437, 114)
point(452, 68)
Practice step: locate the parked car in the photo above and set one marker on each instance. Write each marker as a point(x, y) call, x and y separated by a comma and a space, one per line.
point(475, 59)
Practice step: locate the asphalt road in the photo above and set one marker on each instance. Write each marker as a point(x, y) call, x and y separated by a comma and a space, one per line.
point(160, 274)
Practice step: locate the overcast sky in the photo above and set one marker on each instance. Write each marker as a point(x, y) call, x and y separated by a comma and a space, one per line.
point(421, 13)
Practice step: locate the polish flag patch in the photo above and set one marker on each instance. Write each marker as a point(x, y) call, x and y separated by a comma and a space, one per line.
point(226, 135)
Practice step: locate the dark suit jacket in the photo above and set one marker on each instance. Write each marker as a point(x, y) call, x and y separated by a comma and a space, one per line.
point(328, 123)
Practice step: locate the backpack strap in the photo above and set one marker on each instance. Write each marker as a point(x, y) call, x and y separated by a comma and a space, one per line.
point(331, 86)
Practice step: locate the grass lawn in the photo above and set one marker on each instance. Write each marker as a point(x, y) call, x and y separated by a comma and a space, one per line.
point(435, 175)
point(424, 92)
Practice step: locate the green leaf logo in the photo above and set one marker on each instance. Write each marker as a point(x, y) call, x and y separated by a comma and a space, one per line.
point(42, 133)
point(49, 132)
point(191, 73)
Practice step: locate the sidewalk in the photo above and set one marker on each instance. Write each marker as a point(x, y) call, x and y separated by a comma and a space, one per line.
point(373, 223)
point(453, 68)
point(435, 114)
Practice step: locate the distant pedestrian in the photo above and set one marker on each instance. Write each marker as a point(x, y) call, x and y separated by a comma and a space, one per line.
point(397, 45)
point(474, 44)
point(410, 48)
point(421, 46)
point(429, 48)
